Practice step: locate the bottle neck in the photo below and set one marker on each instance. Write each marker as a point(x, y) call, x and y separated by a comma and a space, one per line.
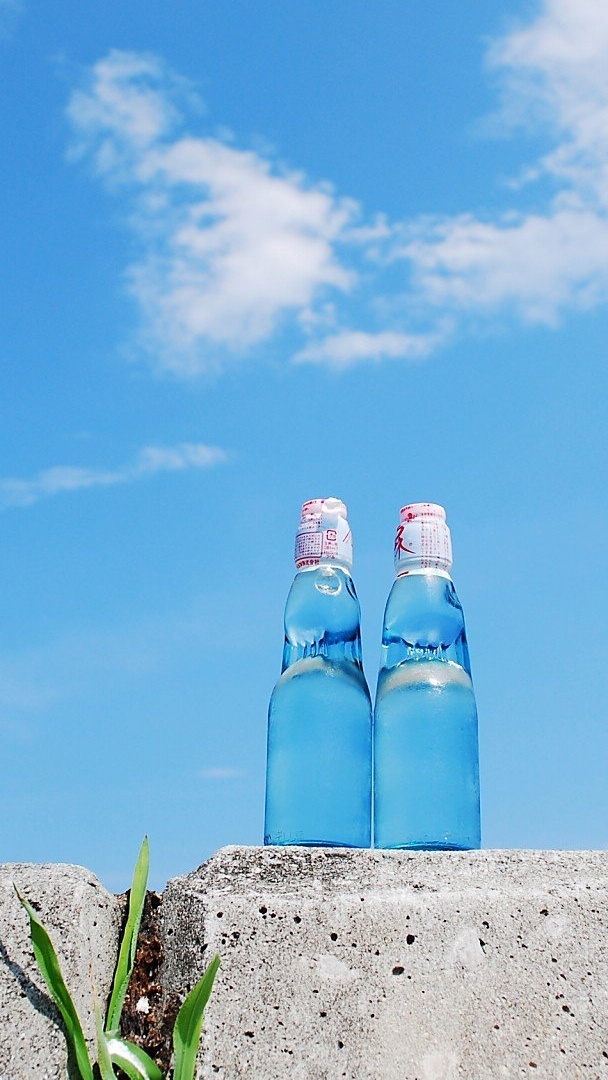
point(322, 615)
point(430, 571)
point(333, 564)
point(424, 621)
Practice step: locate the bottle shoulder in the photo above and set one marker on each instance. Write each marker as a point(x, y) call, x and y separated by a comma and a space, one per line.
point(424, 621)
point(322, 604)
point(424, 609)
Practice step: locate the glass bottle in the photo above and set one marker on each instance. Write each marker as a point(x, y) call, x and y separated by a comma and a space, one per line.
point(318, 774)
point(426, 762)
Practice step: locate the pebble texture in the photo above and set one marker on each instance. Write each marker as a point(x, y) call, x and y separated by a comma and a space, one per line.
point(371, 965)
point(83, 922)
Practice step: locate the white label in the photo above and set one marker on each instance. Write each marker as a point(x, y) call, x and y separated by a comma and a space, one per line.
point(318, 539)
point(423, 542)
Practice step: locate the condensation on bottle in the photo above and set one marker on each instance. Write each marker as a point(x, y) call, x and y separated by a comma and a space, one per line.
point(319, 759)
point(426, 761)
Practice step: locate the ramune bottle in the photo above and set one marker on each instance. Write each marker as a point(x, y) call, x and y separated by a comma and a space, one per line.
point(426, 765)
point(318, 776)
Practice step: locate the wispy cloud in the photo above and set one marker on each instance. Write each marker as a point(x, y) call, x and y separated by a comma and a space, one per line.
point(149, 461)
point(348, 347)
point(235, 247)
point(221, 772)
point(9, 12)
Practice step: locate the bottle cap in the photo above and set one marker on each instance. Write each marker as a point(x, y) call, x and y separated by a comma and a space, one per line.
point(423, 539)
point(323, 534)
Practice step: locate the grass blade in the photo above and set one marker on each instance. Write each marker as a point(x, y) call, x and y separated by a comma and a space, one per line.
point(49, 966)
point(132, 1059)
point(189, 1023)
point(104, 1062)
point(128, 945)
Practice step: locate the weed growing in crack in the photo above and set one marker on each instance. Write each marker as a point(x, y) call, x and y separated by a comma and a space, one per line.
point(112, 1050)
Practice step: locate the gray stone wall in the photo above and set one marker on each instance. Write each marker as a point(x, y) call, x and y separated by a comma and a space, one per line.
point(83, 921)
point(364, 965)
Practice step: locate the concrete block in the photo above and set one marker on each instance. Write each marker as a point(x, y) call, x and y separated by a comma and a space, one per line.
point(83, 921)
point(373, 965)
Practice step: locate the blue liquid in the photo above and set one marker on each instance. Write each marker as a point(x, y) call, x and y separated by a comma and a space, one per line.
point(426, 755)
point(318, 778)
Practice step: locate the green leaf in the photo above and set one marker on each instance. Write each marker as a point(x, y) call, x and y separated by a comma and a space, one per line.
point(49, 966)
point(104, 1061)
point(128, 945)
point(189, 1023)
point(132, 1059)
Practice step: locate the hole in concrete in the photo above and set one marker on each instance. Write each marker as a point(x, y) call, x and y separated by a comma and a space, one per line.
point(482, 943)
point(220, 914)
point(340, 1044)
point(322, 1014)
point(410, 939)
point(486, 924)
point(334, 937)
point(543, 911)
point(263, 909)
point(249, 1034)
point(297, 919)
point(398, 970)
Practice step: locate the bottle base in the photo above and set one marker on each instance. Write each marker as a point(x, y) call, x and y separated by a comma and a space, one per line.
point(427, 846)
point(314, 843)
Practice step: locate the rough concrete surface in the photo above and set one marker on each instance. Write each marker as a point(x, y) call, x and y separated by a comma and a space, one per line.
point(375, 965)
point(83, 921)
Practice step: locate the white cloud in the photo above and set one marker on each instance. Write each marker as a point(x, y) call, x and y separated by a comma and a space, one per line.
point(234, 248)
point(538, 264)
point(149, 461)
point(555, 74)
point(231, 243)
point(543, 263)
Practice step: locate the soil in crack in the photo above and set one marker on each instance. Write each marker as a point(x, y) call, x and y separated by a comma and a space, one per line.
point(149, 1014)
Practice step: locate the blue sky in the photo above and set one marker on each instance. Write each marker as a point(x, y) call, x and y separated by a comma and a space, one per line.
point(259, 253)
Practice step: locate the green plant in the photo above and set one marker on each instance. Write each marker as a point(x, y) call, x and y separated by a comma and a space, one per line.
point(112, 1050)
